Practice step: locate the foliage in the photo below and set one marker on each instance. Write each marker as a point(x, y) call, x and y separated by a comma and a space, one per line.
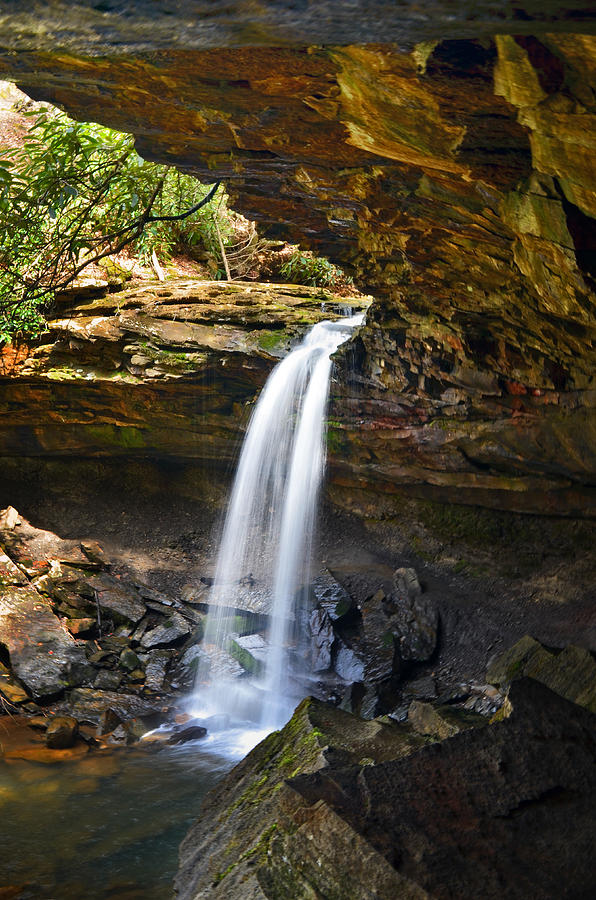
point(74, 193)
point(302, 267)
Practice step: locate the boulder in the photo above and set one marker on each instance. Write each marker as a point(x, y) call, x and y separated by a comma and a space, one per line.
point(107, 721)
point(322, 639)
point(187, 667)
point(331, 596)
point(441, 722)
point(170, 632)
point(129, 660)
point(250, 650)
point(107, 681)
point(156, 668)
point(413, 617)
point(332, 806)
point(10, 689)
point(43, 655)
point(81, 626)
point(117, 598)
point(240, 818)
point(88, 705)
point(10, 574)
point(62, 733)
point(33, 549)
point(191, 733)
point(570, 672)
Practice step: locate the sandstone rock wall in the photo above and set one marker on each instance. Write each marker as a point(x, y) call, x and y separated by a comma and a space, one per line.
point(164, 371)
point(452, 173)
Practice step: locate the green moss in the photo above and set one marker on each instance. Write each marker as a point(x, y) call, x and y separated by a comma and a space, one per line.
point(271, 340)
point(443, 424)
point(337, 441)
point(244, 657)
point(284, 754)
point(127, 437)
point(260, 849)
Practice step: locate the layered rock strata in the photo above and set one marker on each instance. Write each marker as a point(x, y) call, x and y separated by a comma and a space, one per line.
point(77, 633)
point(335, 807)
point(452, 173)
point(158, 370)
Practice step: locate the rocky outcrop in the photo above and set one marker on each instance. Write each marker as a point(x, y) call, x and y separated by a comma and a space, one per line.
point(335, 807)
point(570, 672)
point(156, 370)
point(76, 633)
point(451, 172)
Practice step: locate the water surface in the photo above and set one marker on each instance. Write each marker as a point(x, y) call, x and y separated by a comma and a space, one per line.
point(108, 825)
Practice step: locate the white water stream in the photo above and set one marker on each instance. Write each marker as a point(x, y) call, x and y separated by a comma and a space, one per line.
point(264, 557)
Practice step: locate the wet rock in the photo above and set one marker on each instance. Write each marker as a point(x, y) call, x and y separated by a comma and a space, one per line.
point(39, 723)
point(43, 655)
point(118, 736)
point(81, 626)
point(192, 733)
point(10, 689)
point(365, 648)
point(250, 651)
point(61, 733)
point(322, 639)
point(156, 668)
point(88, 705)
point(348, 664)
point(188, 665)
point(218, 664)
point(114, 643)
point(107, 721)
point(172, 630)
point(143, 626)
point(102, 658)
point(332, 597)
point(119, 599)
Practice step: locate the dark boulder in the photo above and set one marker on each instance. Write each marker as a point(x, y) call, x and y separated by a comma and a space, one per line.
point(62, 732)
point(332, 806)
point(192, 733)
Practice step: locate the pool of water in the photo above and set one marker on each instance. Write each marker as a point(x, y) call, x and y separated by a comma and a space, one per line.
point(107, 825)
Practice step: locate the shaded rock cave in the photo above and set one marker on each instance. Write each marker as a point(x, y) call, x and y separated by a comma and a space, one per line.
point(444, 155)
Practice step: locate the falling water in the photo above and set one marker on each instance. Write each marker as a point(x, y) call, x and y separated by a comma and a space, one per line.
point(265, 553)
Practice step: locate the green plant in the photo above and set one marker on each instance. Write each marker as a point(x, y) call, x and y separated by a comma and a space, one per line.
point(74, 193)
point(302, 267)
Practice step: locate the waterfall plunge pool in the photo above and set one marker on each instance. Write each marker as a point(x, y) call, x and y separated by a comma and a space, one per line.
point(107, 826)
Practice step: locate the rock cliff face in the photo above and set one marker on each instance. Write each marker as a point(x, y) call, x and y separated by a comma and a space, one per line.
point(453, 173)
point(158, 370)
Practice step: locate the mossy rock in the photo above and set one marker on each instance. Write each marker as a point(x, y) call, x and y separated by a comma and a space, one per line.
point(243, 818)
point(571, 673)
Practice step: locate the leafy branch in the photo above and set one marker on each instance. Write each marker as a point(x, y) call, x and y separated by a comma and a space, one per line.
point(75, 193)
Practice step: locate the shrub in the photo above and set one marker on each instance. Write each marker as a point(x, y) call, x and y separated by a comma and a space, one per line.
point(75, 192)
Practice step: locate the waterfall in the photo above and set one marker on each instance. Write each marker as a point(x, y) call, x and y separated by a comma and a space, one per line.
point(264, 558)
